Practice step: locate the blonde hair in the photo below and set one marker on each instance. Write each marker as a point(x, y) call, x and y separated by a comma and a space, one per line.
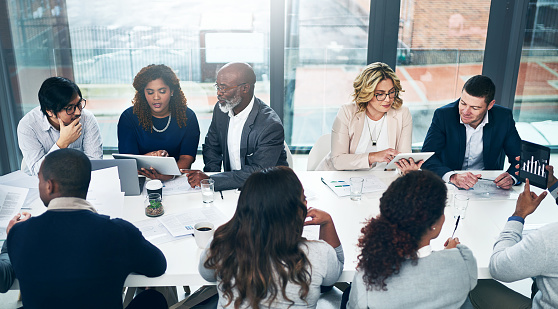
point(365, 84)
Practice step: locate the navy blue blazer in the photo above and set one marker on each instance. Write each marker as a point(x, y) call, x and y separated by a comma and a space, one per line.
point(446, 137)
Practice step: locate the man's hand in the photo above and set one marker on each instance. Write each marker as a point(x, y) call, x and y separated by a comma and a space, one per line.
point(158, 153)
point(16, 219)
point(504, 181)
point(194, 177)
point(451, 243)
point(152, 173)
point(382, 156)
point(551, 178)
point(408, 165)
point(68, 133)
point(465, 180)
point(528, 201)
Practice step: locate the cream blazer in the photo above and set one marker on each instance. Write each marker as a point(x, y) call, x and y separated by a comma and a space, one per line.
point(346, 132)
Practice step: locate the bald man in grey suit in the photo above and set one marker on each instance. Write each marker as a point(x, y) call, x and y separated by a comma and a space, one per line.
point(245, 134)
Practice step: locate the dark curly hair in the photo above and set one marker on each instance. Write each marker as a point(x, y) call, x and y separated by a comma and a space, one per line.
point(258, 251)
point(408, 208)
point(177, 102)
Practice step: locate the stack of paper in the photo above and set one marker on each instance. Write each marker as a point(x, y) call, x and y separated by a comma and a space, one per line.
point(11, 200)
point(105, 192)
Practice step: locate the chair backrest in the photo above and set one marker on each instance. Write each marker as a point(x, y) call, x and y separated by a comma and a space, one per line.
point(320, 149)
point(289, 156)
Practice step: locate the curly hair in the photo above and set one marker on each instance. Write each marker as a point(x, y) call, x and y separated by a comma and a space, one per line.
point(365, 84)
point(258, 251)
point(177, 102)
point(408, 208)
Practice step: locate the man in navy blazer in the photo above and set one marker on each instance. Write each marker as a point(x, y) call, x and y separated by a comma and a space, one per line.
point(473, 133)
point(245, 135)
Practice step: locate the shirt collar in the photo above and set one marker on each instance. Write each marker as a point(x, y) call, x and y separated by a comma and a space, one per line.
point(70, 203)
point(45, 125)
point(482, 124)
point(424, 251)
point(244, 113)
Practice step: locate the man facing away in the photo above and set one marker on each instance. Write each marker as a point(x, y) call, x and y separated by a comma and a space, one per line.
point(245, 135)
point(59, 122)
point(70, 256)
point(472, 133)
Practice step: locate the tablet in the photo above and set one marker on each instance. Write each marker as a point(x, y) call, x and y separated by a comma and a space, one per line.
point(417, 156)
point(534, 159)
point(163, 165)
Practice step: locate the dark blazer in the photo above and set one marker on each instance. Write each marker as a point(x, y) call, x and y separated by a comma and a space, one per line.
point(261, 145)
point(446, 137)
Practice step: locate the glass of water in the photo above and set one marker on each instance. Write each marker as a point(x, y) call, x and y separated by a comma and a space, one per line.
point(356, 188)
point(460, 203)
point(207, 189)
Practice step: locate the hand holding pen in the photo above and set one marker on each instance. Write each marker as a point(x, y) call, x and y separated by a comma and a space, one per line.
point(453, 242)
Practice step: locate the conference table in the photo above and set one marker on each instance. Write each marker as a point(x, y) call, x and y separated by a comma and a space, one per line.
point(485, 218)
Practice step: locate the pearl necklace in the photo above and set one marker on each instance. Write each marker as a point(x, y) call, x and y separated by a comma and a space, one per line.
point(165, 128)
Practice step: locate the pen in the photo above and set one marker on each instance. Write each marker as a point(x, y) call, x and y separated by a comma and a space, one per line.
point(456, 224)
point(221, 192)
point(342, 186)
point(480, 178)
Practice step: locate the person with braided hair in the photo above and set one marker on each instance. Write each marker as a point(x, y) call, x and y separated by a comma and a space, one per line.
point(397, 267)
point(159, 123)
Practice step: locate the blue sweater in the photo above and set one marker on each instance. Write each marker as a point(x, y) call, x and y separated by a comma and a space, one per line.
point(78, 259)
point(133, 139)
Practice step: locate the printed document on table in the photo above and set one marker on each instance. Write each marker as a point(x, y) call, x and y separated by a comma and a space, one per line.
point(11, 200)
point(178, 185)
point(155, 232)
point(22, 180)
point(183, 223)
point(485, 189)
point(105, 193)
point(342, 186)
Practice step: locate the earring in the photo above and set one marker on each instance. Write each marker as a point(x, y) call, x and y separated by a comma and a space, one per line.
point(433, 228)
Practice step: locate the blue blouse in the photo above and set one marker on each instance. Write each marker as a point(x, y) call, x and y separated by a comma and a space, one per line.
point(133, 139)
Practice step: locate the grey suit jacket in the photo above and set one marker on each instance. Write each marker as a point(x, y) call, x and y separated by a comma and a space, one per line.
point(261, 145)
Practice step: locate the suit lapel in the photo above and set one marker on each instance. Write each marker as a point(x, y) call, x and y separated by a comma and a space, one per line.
point(391, 122)
point(248, 125)
point(360, 119)
point(461, 135)
point(225, 139)
point(486, 139)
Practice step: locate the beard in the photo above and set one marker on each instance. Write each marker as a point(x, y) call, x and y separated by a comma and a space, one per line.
point(230, 104)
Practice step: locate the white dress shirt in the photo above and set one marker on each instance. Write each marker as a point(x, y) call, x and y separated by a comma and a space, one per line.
point(236, 125)
point(473, 148)
point(424, 251)
point(37, 138)
point(365, 143)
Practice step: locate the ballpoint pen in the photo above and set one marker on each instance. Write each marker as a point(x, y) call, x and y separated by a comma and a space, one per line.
point(221, 194)
point(480, 178)
point(456, 224)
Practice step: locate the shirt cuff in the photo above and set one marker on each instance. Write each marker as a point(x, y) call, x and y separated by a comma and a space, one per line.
point(515, 181)
point(447, 176)
point(516, 218)
point(554, 191)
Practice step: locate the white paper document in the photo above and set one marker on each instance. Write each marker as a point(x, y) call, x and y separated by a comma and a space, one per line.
point(178, 185)
point(342, 187)
point(311, 232)
point(486, 189)
point(104, 192)
point(22, 180)
point(155, 232)
point(11, 200)
point(183, 224)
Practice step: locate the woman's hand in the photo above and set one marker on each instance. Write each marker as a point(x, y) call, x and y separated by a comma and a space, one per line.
point(451, 243)
point(382, 156)
point(327, 228)
point(152, 173)
point(408, 165)
point(317, 217)
point(158, 153)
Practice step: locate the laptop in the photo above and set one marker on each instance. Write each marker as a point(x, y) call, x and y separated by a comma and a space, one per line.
point(130, 183)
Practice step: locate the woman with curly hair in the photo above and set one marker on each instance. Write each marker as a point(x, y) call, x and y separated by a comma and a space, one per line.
point(397, 267)
point(159, 123)
point(259, 257)
point(374, 128)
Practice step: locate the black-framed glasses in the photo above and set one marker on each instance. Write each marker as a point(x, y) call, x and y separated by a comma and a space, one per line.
point(71, 109)
point(382, 96)
point(225, 89)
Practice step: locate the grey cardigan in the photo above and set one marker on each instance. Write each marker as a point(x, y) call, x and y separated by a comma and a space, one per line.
point(441, 280)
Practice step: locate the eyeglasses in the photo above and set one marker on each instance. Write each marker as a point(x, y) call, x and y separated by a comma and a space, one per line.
point(225, 89)
point(71, 109)
point(382, 96)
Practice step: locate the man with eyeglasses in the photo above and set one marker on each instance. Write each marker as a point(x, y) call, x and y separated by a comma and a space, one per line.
point(59, 122)
point(473, 133)
point(245, 134)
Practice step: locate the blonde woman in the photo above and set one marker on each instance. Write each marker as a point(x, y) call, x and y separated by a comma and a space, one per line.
point(374, 128)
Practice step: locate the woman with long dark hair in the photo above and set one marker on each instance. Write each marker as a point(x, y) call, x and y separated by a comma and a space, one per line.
point(159, 123)
point(259, 257)
point(397, 267)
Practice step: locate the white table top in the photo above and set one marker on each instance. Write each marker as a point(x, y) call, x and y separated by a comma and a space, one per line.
point(479, 231)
